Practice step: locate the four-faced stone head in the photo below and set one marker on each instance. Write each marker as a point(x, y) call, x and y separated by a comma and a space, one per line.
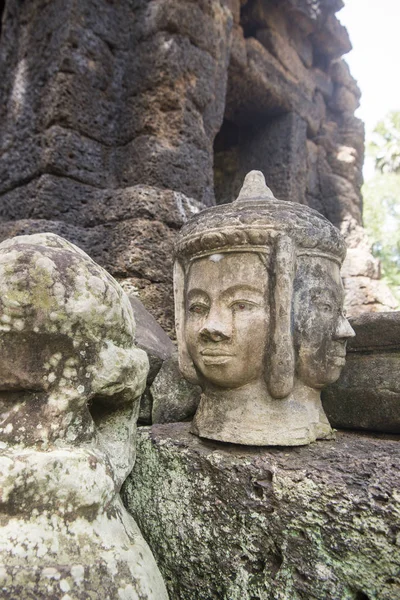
point(259, 316)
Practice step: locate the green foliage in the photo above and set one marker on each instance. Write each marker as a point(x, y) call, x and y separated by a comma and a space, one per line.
point(382, 198)
point(384, 145)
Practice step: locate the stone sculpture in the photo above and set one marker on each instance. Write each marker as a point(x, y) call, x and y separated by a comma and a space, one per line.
point(70, 382)
point(259, 317)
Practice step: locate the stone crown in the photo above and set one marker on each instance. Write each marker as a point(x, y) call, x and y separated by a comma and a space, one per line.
point(253, 221)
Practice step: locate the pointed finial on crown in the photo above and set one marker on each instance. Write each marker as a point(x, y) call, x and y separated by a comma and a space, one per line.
point(254, 188)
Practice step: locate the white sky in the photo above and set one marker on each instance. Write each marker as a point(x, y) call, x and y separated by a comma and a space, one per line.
point(374, 29)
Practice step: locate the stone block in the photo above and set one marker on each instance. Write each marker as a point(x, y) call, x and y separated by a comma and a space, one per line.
point(340, 74)
point(341, 199)
point(343, 100)
point(332, 40)
point(70, 154)
point(359, 262)
point(312, 169)
point(151, 338)
point(344, 161)
point(367, 394)
point(322, 82)
point(51, 197)
point(259, 14)
point(174, 398)
point(238, 523)
point(70, 102)
point(302, 44)
point(364, 294)
point(351, 133)
point(376, 332)
point(288, 57)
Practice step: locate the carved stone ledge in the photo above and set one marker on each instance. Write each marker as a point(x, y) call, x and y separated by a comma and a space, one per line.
point(229, 522)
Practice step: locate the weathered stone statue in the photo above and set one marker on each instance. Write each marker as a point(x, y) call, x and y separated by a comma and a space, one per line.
point(259, 317)
point(70, 381)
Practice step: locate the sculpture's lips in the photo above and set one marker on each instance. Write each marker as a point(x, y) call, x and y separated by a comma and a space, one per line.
point(214, 356)
point(339, 351)
point(339, 359)
point(215, 352)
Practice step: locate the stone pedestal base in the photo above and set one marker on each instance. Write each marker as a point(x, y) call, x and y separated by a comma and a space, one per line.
point(230, 522)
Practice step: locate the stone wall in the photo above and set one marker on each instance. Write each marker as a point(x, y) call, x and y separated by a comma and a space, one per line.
point(118, 120)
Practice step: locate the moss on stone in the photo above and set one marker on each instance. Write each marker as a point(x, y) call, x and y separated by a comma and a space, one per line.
point(233, 523)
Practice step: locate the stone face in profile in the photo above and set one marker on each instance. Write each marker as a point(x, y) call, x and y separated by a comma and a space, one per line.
point(320, 329)
point(70, 381)
point(259, 317)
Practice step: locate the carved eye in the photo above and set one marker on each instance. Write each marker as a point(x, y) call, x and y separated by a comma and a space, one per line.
point(198, 309)
point(241, 306)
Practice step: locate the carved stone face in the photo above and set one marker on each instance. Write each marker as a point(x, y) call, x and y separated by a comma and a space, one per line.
point(227, 316)
point(320, 327)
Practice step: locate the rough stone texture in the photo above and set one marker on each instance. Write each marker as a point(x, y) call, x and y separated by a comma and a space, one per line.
point(232, 523)
point(151, 338)
point(130, 232)
point(88, 110)
point(99, 99)
point(367, 394)
point(173, 398)
point(365, 292)
point(70, 381)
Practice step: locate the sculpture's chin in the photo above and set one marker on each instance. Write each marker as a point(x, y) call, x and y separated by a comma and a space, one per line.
point(316, 375)
point(319, 382)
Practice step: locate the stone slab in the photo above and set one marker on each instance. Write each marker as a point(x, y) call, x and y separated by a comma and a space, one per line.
point(367, 394)
point(230, 522)
point(376, 331)
point(174, 398)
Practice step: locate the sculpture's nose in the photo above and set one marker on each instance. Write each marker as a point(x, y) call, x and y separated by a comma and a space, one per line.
point(218, 326)
point(343, 330)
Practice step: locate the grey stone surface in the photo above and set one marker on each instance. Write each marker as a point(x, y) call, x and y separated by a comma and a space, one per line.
point(232, 523)
point(129, 231)
point(367, 394)
point(259, 317)
point(376, 332)
point(151, 338)
point(70, 380)
point(174, 398)
point(98, 98)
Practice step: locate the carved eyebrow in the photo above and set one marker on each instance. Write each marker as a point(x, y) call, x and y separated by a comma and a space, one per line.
point(332, 291)
point(240, 287)
point(197, 292)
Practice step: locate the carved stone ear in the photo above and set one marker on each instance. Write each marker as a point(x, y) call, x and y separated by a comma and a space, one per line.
point(282, 359)
point(186, 365)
